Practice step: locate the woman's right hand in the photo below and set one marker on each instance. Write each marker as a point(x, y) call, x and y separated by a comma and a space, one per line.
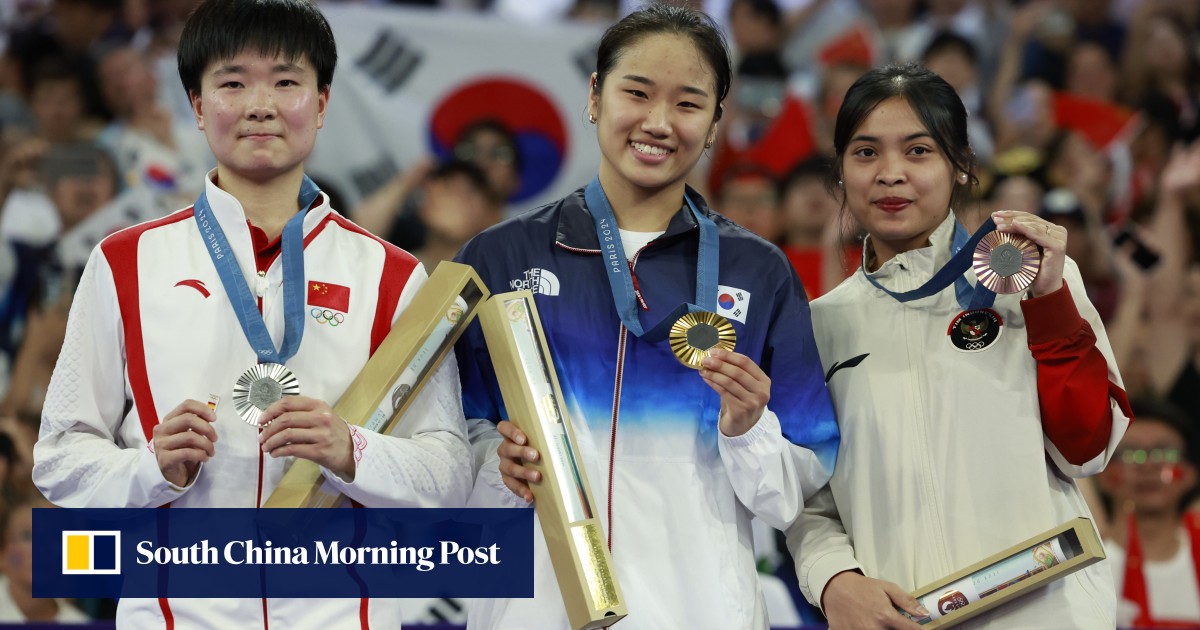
point(183, 440)
point(514, 453)
point(853, 600)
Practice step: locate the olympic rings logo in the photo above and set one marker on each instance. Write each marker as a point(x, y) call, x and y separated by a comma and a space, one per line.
point(326, 316)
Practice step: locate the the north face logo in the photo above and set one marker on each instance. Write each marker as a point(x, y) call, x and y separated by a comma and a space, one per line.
point(537, 280)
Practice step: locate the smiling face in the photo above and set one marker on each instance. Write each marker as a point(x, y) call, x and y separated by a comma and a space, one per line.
point(260, 115)
point(654, 112)
point(898, 181)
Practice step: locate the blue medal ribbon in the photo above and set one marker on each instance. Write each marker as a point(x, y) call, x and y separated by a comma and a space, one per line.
point(962, 250)
point(620, 277)
point(245, 306)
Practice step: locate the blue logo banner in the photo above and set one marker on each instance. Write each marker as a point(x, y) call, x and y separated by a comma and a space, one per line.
point(212, 552)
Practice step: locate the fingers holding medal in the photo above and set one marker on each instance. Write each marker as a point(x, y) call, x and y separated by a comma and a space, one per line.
point(1013, 227)
point(298, 426)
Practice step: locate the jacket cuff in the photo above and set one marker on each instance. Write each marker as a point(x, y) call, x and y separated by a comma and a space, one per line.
point(1051, 316)
point(157, 488)
point(817, 573)
point(767, 425)
point(490, 491)
point(359, 441)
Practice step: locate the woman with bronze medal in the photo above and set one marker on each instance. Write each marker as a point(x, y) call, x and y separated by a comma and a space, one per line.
point(972, 378)
point(681, 450)
point(199, 361)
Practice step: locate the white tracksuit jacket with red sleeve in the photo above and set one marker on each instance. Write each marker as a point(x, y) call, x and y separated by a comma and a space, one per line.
point(950, 455)
point(152, 326)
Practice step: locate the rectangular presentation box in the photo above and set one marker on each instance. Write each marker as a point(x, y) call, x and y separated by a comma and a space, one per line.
point(1010, 574)
point(385, 387)
point(575, 538)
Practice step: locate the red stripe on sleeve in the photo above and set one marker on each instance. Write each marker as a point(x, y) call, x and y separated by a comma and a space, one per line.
point(121, 252)
point(1072, 377)
point(398, 266)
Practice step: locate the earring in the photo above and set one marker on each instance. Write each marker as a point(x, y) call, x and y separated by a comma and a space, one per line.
point(592, 118)
point(840, 183)
point(708, 145)
point(962, 178)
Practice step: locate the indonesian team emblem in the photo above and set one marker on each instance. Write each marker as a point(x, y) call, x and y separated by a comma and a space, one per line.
point(975, 330)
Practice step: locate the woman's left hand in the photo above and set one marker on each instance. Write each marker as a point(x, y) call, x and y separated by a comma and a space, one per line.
point(743, 386)
point(1051, 237)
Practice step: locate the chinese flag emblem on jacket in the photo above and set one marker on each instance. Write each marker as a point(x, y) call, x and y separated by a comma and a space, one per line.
point(334, 297)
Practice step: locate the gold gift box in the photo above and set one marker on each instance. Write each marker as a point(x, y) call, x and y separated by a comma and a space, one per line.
point(391, 379)
point(1077, 540)
point(563, 500)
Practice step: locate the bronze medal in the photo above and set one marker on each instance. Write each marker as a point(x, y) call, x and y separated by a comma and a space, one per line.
point(1006, 263)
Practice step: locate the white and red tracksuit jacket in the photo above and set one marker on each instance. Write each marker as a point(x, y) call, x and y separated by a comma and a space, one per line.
point(948, 456)
point(152, 326)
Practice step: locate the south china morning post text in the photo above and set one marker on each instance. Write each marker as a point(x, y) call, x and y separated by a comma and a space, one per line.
point(348, 552)
point(238, 552)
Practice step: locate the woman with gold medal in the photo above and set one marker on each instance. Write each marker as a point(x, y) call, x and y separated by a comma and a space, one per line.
point(679, 461)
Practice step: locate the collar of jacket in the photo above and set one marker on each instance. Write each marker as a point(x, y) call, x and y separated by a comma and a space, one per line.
point(577, 230)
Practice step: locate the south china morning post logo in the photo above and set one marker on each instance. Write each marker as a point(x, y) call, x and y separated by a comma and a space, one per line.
point(283, 552)
point(91, 552)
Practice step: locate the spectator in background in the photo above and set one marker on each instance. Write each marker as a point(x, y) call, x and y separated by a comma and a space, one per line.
point(1076, 178)
point(1154, 544)
point(750, 197)
point(458, 204)
point(1161, 70)
point(1091, 72)
point(1159, 330)
point(1059, 25)
point(955, 59)
point(152, 148)
point(28, 214)
point(56, 100)
point(755, 27)
point(71, 32)
point(901, 36)
point(1015, 192)
point(392, 211)
point(17, 603)
point(820, 250)
point(79, 179)
point(492, 147)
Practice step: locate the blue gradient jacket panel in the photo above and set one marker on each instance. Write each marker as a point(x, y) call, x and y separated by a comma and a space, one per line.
point(554, 252)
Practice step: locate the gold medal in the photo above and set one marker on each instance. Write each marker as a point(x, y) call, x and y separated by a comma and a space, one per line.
point(260, 387)
point(695, 334)
point(1006, 263)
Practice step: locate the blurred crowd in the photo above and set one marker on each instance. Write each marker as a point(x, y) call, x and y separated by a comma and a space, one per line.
point(1086, 112)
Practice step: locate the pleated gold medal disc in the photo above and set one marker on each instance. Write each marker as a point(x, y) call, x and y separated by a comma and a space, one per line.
point(697, 333)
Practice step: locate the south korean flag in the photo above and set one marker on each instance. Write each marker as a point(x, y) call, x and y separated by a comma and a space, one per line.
point(733, 303)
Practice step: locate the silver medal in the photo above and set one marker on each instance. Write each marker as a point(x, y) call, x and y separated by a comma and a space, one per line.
point(260, 387)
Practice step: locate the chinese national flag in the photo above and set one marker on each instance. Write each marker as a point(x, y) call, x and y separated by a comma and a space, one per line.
point(328, 295)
